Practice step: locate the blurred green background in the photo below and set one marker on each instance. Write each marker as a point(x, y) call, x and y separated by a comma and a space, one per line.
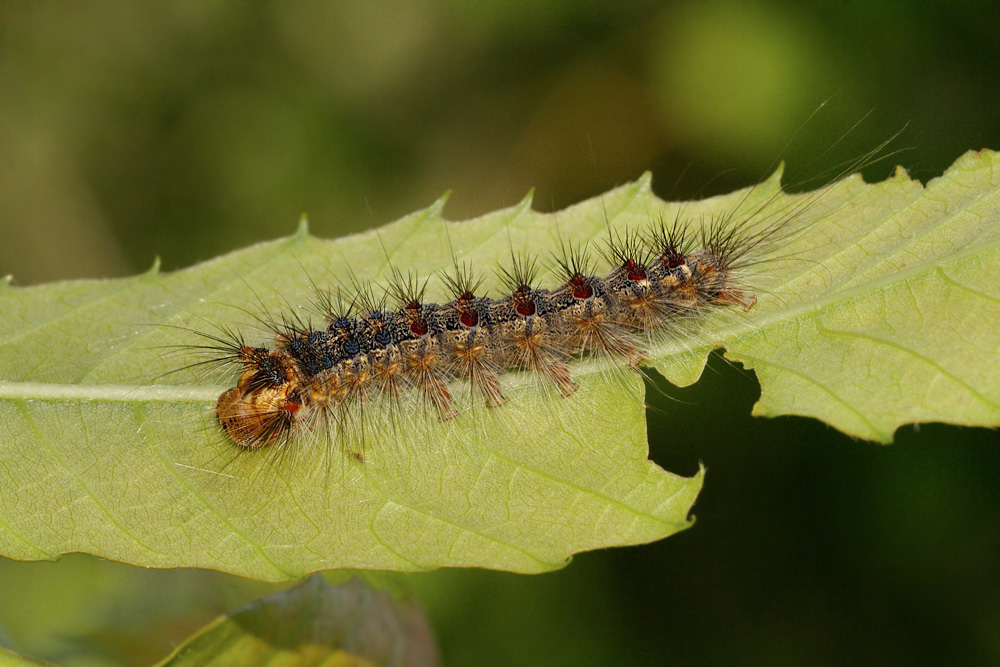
point(187, 129)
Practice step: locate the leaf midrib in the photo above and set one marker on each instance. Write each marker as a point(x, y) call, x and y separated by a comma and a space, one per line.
point(115, 393)
point(209, 393)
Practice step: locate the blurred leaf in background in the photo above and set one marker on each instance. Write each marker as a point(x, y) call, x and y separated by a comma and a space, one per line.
point(313, 623)
point(186, 129)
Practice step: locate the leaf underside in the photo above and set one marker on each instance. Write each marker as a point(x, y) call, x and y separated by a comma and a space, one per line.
point(878, 308)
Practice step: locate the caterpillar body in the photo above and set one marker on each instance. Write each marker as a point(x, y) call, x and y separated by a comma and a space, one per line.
point(313, 377)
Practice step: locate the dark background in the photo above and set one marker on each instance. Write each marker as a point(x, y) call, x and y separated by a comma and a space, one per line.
point(188, 129)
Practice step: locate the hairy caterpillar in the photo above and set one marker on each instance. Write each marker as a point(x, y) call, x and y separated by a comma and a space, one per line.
point(392, 342)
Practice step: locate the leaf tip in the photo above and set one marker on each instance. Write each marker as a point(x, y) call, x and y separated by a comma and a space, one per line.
point(526, 201)
point(776, 176)
point(900, 175)
point(437, 207)
point(645, 182)
point(154, 270)
point(302, 231)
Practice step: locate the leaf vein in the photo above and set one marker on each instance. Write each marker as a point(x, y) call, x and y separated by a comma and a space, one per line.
point(910, 351)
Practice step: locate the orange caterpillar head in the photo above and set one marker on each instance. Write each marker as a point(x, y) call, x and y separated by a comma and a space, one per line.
point(261, 408)
point(258, 418)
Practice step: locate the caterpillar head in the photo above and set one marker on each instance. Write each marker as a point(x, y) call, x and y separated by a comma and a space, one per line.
point(257, 418)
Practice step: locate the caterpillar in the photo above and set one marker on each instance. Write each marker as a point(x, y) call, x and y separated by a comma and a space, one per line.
point(314, 375)
point(396, 343)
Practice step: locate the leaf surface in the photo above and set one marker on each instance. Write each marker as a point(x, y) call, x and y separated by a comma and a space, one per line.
point(875, 309)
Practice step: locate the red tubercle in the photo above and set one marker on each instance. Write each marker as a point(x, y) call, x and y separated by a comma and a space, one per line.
point(581, 287)
point(524, 303)
point(672, 259)
point(635, 271)
point(525, 309)
point(291, 407)
point(467, 311)
point(418, 325)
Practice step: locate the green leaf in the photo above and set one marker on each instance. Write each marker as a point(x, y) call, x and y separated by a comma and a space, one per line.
point(893, 315)
point(315, 624)
point(101, 452)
